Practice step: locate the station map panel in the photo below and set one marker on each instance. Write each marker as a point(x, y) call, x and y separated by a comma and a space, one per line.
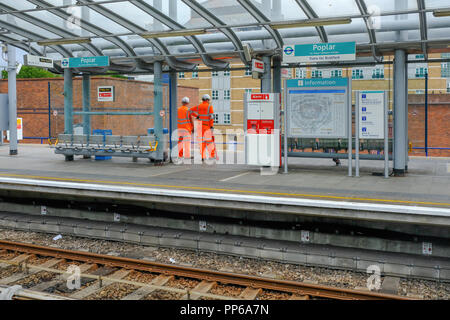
point(316, 111)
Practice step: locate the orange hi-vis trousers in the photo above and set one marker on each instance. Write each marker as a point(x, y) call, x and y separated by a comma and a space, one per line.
point(184, 144)
point(204, 138)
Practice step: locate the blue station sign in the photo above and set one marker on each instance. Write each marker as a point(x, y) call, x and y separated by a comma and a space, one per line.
point(85, 62)
point(319, 52)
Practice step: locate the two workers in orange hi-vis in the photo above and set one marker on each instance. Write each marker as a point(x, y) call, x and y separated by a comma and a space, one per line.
point(204, 124)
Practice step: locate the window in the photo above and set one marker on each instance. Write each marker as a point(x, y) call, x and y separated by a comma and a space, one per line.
point(227, 73)
point(248, 91)
point(316, 74)
point(378, 73)
point(215, 73)
point(300, 73)
point(445, 70)
point(227, 118)
point(357, 74)
point(227, 95)
point(336, 73)
point(421, 72)
point(195, 73)
point(448, 87)
point(216, 118)
point(181, 75)
point(420, 91)
point(215, 94)
point(248, 72)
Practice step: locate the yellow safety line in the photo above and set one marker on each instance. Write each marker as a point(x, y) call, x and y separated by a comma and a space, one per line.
point(225, 190)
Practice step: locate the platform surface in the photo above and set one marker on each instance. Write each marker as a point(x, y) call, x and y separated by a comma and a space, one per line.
point(426, 184)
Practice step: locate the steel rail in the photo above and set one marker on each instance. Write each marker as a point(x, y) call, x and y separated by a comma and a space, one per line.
point(208, 275)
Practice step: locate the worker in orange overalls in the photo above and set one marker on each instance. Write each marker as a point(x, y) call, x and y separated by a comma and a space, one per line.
point(204, 114)
point(185, 128)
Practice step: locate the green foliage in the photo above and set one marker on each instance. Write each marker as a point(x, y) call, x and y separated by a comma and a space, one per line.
point(115, 75)
point(28, 72)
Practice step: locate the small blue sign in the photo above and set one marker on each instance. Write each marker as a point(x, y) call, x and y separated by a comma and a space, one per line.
point(364, 129)
point(364, 109)
point(364, 96)
point(364, 118)
point(289, 50)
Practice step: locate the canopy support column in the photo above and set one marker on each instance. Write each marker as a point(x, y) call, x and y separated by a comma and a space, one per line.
point(277, 75)
point(12, 97)
point(158, 107)
point(68, 101)
point(173, 87)
point(86, 104)
point(400, 113)
point(266, 81)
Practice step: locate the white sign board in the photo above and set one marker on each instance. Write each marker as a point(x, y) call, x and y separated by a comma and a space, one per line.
point(36, 61)
point(305, 236)
point(19, 130)
point(105, 94)
point(202, 225)
point(427, 248)
point(318, 108)
point(371, 115)
point(257, 66)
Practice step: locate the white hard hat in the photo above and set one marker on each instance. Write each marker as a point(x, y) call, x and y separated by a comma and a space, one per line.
point(185, 100)
point(206, 97)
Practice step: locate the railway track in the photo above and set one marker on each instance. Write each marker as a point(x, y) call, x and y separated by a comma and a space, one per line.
point(253, 287)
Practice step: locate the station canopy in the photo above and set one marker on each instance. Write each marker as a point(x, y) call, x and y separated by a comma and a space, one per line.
point(185, 33)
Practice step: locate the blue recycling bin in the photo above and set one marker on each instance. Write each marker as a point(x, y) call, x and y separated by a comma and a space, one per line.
point(103, 133)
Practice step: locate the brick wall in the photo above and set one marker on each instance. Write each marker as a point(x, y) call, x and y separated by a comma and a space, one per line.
point(438, 123)
point(130, 95)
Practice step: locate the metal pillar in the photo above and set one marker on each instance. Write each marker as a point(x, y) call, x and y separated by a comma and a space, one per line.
point(12, 97)
point(426, 114)
point(276, 75)
point(158, 107)
point(266, 80)
point(173, 85)
point(400, 112)
point(173, 88)
point(86, 104)
point(68, 101)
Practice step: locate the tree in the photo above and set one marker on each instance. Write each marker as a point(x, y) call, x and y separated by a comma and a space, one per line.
point(28, 72)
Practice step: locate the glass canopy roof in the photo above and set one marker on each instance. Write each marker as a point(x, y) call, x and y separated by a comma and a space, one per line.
point(136, 33)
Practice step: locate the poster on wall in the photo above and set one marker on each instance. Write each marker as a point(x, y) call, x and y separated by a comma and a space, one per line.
point(105, 93)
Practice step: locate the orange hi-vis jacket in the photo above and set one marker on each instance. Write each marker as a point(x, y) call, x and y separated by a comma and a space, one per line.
point(184, 119)
point(204, 112)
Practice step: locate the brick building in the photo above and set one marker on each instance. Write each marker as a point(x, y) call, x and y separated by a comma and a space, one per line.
point(40, 103)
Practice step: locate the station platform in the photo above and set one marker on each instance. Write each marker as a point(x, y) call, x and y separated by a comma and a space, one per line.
point(398, 214)
point(426, 184)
